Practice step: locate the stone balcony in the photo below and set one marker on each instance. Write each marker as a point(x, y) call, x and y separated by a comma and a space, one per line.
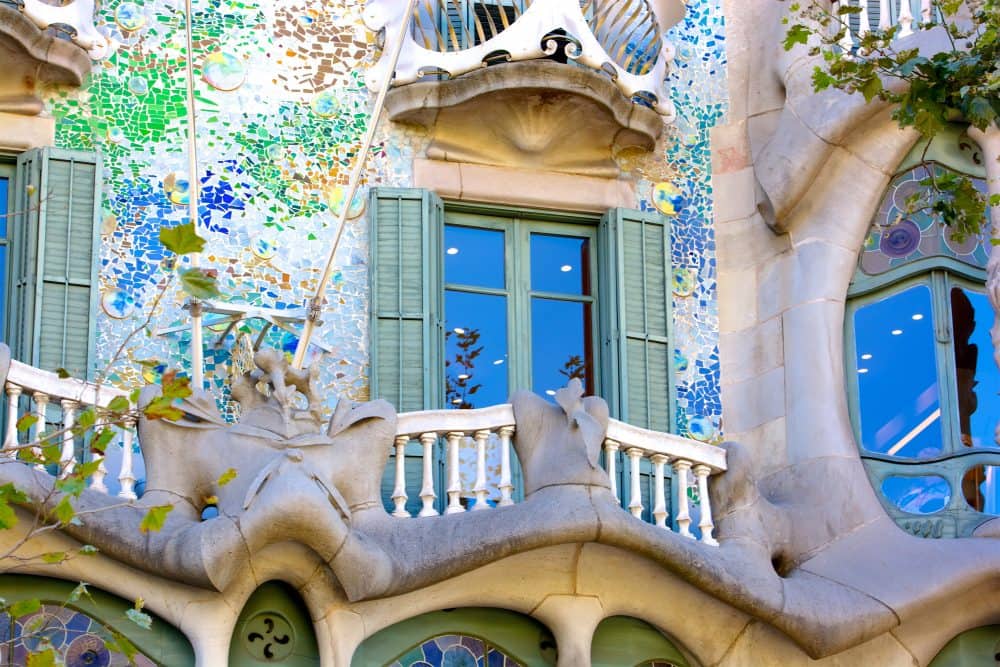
point(555, 85)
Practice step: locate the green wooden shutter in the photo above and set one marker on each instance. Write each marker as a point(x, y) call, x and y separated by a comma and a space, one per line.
point(407, 339)
point(54, 242)
point(636, 360)
point(407, 334)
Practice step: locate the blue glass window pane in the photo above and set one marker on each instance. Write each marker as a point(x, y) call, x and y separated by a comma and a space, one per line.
point(917, 495)
point(475, 349)
point(981, 488)
point(978, 378)
point(3, 286)
point(560, 345)
point(560, 264)
point(4, 205)
point(473, 256)
point(897, 375)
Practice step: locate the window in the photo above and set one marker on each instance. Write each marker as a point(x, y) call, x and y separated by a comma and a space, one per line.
point(6, 190)
point(52, 240)
point(922, 382)
point(538, 296)
point(455, 25)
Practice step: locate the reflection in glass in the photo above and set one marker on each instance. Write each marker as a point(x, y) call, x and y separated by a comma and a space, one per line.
point(978, 378)
point(917, 495)
point(473, 256)
point(981, 488)
point(475, 340)
point(560, 264)
point(900, 412)
point(4, 208)
point(561, 346)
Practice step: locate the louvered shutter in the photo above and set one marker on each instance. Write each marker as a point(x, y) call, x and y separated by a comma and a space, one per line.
point(407, 336)
point(634, 251)
point(54, 243)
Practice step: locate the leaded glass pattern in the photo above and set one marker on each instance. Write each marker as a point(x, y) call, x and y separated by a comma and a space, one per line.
point(455, 651)
point(896, 238)
point(77, 639)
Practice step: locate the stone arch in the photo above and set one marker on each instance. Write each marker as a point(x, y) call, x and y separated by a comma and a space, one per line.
point(504, 638)
point(82, 625)
point(274, 628)
point(621, 641)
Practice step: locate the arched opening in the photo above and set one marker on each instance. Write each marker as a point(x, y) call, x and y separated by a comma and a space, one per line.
point(81, 625)
point(623, 641)
point(979, 647)
point(274, 628)
point(458, 637)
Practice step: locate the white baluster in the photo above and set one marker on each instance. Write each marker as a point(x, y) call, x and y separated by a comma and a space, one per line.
point(399, 491)
point(884, 14)
point(38, 432)
point(683, 513)
point(67, 458)
point(660, 498)
point(864, 27)
point(706, 524)
point(506, 487)
point(10, 442)
point(847, 41)
point(611, 462)
point(635, 496)
point(925, 11)
point(480, 488)
point(126, 477)
point(97, 479)
point(905, 18)
point(454, 476)
point(427, 494)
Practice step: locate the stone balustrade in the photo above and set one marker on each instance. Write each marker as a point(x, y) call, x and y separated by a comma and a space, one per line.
point(909, 15)
point(692, 464)
point(55, 402)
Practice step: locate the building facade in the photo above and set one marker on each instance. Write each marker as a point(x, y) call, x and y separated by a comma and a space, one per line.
point(628, 354)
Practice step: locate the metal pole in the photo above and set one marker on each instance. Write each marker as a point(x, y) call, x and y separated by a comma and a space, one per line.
point(194, 195)
point(316, 302)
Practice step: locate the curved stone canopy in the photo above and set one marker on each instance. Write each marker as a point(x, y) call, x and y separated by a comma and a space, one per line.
point(536, 114)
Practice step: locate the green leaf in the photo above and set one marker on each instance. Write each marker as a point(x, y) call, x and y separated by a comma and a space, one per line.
point(54, 557)
point(155, 518)
point(119, 643)
point(24, 607)
point(79, 593)
point(182, 239)
point(140, 618)
point(46, 658)
point(199, 283)
point(871, 88)
point(26, 422)
point(162, 407)
point(64, 511)
point(226, 477)
point(101, 441)
point(62, 373)
point(86, 418)
point(119, 404)
point(797, 34)
point(88, 550)
point(72, 484)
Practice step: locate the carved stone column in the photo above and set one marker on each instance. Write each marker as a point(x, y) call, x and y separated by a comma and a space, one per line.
point(989, 142)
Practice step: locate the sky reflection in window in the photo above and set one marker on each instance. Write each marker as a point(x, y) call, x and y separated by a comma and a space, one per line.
point(474, 256)
point(917, 495)
point(897, 376)
point(560, 264)
point(560, 345)
point(475, 349)
point(981, 486)
point(978, 378)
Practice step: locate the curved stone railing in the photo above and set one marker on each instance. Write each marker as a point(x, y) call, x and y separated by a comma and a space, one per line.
point(693, 462)
point(55, 402)
point(624, 39)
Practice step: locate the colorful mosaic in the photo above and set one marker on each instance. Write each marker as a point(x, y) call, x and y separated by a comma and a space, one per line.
point(280, 111)
point(897, 238)
point(77, 639)
point(455, 651)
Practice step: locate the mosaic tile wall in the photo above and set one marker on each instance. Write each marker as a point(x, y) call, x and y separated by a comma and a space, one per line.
point(281, 107)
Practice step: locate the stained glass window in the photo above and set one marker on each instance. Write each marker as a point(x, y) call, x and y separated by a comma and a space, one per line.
point(455, 651)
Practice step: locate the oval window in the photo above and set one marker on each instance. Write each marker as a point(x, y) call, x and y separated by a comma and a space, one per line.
point(917, 495)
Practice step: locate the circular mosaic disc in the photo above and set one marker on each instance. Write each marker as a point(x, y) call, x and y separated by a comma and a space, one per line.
point(117, 303)
point(667, 198)
point(223, 71)
point(129, 17)
point(326, 104)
